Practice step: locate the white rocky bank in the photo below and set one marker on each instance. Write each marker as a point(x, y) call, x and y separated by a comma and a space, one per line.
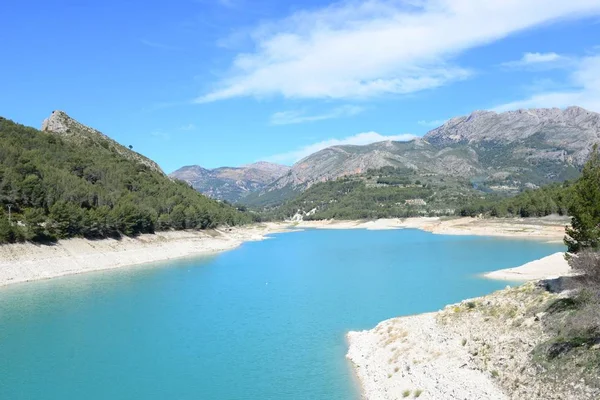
point(479, 349)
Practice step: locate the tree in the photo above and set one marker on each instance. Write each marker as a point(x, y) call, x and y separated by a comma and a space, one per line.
point(584, 232)
point(35, 222)
point(7, 232)
point(65, 220)
point(89, 188)
point(583, 237)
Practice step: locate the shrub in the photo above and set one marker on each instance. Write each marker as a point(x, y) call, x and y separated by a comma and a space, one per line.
point(587, 262)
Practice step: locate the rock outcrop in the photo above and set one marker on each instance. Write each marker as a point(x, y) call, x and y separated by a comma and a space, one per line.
point(61, 124)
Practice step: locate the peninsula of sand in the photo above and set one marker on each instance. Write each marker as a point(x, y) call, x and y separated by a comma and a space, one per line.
point(28, 262)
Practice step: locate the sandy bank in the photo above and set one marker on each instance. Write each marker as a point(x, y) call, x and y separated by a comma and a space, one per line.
point(27, 262)
point(548, 228)
point(415, 355)
point(481, 348)
point(551, 266)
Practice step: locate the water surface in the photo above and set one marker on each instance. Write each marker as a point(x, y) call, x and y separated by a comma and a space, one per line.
point(264, 321)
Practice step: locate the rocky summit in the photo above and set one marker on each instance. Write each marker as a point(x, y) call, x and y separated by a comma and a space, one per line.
point(69, 129)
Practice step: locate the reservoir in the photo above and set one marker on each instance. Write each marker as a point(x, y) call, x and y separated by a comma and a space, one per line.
point(264, 321)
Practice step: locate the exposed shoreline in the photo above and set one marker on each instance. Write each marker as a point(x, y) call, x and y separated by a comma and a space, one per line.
point(481, 348)
point(439, 354)
point(440, 375)
point(24, 262)
point(551, 266)
point(550, 229)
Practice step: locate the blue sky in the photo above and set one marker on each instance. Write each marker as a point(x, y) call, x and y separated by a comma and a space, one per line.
point(229, 82)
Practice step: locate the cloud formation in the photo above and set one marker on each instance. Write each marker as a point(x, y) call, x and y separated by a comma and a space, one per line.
point(301, 116)
point(359, 139)
point(538, 60)
point(362, 49)
point(584, 90)
point(188, 127)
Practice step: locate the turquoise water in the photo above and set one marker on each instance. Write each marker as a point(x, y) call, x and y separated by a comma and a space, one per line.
point(265, 321)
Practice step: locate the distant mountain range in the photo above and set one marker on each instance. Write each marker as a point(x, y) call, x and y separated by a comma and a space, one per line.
point(231, 183)
point(506, 151)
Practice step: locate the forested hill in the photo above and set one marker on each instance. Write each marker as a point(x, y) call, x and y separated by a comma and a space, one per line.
point(80, 183)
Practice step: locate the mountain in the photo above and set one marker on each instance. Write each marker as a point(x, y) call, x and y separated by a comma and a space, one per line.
point(69, 180)
point(230, 183)
point(506, 151)
point(71, 130)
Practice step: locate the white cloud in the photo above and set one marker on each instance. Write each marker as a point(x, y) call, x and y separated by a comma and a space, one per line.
point(360, 49)
point(301, 116)
point(359, 139)
point(584, 91)
point(537, 60)
point(433, 123)
point(188, 127)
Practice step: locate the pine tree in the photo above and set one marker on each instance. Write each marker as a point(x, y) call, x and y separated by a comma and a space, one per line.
point(584, 232)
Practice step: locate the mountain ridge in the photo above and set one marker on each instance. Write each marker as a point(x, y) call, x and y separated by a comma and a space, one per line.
point(517, 149)
point(230, 183)
point(61, 124)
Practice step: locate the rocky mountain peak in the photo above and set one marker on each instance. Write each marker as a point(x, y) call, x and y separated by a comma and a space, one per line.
point(573, 128)
point(57, 122)
point(60, 123)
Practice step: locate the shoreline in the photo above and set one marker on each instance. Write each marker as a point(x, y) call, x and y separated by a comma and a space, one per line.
point(479, 348)
point(435, 354)
point(551, 229)
point(548, 267)
point(421, 354)
point(25, 262)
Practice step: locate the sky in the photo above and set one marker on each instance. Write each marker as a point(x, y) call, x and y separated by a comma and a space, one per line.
point(231, 82)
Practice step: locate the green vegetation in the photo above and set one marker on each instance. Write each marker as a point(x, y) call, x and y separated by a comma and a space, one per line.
point(59, 189)
point(585, 208)
point(551, 199)
point(402, 192)
point(573, 323)
point(381, 193)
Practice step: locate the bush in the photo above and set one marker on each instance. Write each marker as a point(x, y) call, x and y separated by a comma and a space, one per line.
point(587, 262)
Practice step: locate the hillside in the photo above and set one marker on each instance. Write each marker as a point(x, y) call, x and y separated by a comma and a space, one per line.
point(379, 193)
point(71, 130)
point(230, 183)
point(505, 153)
point(70, 180)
